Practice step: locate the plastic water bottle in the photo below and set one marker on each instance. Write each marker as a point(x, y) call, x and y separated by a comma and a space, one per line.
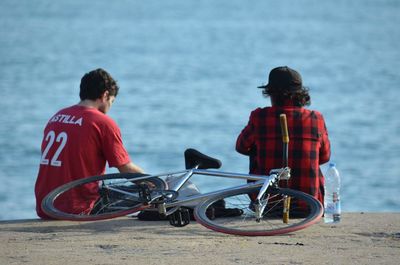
point(332, 195)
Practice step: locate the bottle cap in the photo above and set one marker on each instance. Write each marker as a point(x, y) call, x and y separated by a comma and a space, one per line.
point(332, 164)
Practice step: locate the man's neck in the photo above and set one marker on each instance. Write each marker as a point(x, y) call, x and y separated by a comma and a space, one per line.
point(89, 103)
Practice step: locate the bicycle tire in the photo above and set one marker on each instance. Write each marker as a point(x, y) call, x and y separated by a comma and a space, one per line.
point(116, 206)
point(245, 224)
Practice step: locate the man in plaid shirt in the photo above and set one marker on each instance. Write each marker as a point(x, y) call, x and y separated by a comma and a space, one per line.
point(309, 145)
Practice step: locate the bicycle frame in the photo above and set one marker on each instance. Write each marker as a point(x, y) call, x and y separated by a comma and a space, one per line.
point(260, 181)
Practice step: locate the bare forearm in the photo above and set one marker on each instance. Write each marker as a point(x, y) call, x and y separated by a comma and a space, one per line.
point(130, 168)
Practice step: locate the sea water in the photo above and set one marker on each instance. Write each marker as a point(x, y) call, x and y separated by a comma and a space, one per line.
point(188, 72)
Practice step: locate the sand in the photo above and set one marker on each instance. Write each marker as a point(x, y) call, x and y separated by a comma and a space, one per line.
point(360, 238)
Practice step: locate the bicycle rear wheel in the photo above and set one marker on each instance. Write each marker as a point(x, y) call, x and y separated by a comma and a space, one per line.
point(305, 210)
point(102, 197)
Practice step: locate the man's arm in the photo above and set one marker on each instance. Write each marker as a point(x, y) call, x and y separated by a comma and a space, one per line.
point(130, 168)
point(325, 150)
point(245, 140)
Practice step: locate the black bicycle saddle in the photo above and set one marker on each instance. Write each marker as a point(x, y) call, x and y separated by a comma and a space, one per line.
point(194, 158)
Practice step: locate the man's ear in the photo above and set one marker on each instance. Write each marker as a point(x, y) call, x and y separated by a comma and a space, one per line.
point(105, 95)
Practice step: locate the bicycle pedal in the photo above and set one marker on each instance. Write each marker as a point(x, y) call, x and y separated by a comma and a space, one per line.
point(180, 217)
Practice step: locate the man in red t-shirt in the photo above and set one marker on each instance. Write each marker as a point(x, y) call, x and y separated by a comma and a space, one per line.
point(78, 142)
point(309, 143)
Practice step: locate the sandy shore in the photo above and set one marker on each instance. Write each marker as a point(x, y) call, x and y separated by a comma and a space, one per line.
point(361, 238)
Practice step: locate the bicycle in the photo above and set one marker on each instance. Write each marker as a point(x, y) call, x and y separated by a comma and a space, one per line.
point(256, 208)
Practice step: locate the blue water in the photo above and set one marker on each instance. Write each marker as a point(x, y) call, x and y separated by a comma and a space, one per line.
point(188, 72)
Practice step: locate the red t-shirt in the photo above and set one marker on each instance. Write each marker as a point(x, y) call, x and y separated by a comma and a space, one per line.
point(77, 143)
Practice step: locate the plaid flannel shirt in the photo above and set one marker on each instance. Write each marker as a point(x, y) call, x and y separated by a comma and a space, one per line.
point(309, 146)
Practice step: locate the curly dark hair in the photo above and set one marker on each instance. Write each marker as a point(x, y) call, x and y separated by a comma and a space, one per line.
point(300, 97)
point(95, 83)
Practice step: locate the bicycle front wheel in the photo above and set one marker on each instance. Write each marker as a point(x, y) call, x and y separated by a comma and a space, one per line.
point(101, 197)
point(304, 211)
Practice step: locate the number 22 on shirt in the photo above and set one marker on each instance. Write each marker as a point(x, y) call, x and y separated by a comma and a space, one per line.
point(50, 138)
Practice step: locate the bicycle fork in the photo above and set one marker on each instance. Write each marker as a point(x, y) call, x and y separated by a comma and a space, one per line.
point(261, 203)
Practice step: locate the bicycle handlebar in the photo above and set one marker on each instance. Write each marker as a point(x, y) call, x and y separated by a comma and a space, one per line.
point(285, 138)
point(285, 134)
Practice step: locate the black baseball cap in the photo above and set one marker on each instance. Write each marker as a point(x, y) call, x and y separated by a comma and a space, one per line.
point(284, 77)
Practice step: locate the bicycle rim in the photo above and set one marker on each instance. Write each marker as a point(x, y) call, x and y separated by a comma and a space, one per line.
point(305, 210)
point(101, 197)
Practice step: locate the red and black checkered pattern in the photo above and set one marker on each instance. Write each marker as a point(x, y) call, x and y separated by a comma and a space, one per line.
point(309, 146)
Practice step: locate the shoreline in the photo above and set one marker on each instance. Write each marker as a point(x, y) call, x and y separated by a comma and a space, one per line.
point(360, 238)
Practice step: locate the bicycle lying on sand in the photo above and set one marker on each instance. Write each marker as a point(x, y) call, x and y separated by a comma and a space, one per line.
point(257, 208)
